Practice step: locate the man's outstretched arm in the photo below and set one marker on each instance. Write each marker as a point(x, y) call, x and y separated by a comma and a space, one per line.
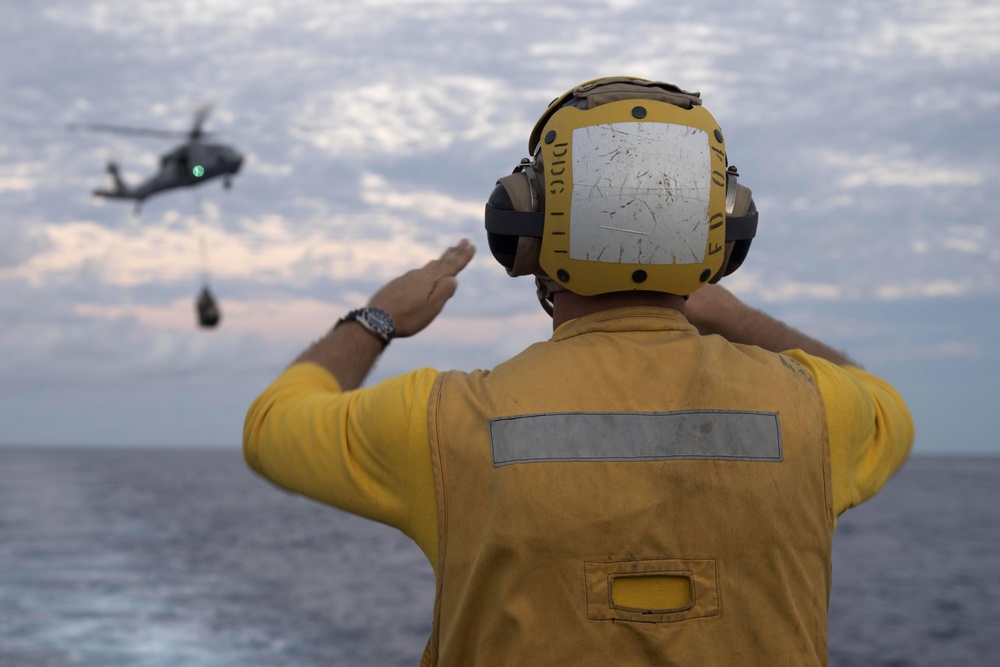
point(413, 300)
point(715, 310)
point(363, 451)
point(869, 425)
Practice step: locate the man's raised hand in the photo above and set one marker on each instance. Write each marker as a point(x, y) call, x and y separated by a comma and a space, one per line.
point(415, 298)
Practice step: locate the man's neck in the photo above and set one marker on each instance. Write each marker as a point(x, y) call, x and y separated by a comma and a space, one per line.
point(569, 306)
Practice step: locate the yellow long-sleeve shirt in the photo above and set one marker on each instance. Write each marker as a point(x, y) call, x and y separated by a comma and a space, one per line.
point(366, 451)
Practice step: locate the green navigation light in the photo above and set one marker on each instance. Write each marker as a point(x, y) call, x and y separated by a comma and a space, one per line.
point(198, 171)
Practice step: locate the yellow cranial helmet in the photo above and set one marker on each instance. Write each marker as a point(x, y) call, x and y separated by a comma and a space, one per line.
point(628, 188)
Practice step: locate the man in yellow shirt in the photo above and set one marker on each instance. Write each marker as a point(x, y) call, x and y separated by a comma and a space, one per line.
point(656, 484)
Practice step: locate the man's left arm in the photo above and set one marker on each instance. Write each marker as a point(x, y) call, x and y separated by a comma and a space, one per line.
point(413, 300)
point(363, 451)
point(311, 433)
point(869, 424)
point(870, 427)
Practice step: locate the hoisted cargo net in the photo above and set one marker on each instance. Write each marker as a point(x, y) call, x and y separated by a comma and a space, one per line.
point(207, 308)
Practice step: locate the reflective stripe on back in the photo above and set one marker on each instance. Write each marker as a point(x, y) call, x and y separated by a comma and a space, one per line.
point(639, 436)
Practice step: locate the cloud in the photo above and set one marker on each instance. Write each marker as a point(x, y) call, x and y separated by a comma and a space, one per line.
point(925, 290)
point(267, 249)
point(21, 177)
point(83, 249)
point(127, 20)
point(377, 192)
point(272, 319)
point(304, 318)
point(409, 111)
point(253, 162)
point(955, 31)
point(967, 239)
point(887, 284)
point(939, 246)
point(881, 170)
point(752, 283)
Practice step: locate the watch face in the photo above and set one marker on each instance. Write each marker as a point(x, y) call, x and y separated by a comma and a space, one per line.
point(379, 320)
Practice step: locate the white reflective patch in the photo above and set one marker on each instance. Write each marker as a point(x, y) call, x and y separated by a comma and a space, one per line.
point(640, 194)
point(636, 436)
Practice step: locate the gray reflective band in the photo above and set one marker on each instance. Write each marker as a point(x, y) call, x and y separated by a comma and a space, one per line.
point(636, 436)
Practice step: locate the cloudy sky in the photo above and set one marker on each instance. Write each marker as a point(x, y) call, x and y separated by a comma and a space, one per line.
point(373, 132)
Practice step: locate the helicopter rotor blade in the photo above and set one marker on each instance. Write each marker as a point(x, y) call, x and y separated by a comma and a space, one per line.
point(121, 129)
point(200, 115)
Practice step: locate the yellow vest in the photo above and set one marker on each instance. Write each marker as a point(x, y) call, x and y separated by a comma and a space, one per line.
point(631, 493)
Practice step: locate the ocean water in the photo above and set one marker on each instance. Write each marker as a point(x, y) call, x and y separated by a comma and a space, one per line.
point(172, 557)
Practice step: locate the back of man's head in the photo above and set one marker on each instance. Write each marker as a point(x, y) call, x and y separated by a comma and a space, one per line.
point(628, 188)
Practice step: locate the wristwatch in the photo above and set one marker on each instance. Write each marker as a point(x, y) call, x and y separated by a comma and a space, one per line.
point(375, 320)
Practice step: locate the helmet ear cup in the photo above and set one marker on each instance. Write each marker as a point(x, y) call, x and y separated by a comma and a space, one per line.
point(740, 248)
point(514, 224)
point(741, 227)
point(503, 246)
point(520, 191)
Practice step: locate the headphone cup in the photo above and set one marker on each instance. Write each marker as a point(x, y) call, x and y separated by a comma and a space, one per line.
point(503, 246)
point(736, 257)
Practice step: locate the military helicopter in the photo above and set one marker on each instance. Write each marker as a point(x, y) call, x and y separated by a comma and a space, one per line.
point(187, 165)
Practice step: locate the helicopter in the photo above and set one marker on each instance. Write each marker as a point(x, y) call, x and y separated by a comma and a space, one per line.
point(189, 164)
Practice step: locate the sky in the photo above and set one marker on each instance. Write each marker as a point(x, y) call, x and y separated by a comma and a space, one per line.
point(373, 133)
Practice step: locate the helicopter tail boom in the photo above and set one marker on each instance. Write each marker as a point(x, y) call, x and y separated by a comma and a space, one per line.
point(121, 190)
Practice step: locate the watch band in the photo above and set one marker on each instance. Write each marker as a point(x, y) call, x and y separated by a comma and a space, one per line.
point(375, 321)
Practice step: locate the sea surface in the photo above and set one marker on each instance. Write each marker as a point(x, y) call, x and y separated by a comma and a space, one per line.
point(114, 557)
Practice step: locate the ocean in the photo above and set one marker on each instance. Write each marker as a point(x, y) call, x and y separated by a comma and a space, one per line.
point(139, 557)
